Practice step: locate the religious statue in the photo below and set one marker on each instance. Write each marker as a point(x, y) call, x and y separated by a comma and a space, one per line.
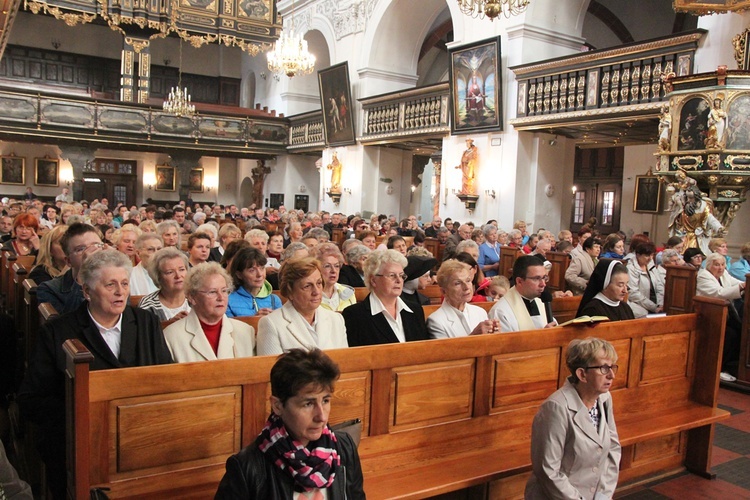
point(335, 168)
point(468, 168)
point(665, 128)
point(693, 219)
point(259, 176)
point(717, 121)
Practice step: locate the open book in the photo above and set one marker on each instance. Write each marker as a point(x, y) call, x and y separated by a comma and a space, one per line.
point(585, 319)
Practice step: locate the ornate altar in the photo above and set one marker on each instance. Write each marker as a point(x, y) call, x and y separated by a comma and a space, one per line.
point(704, 149)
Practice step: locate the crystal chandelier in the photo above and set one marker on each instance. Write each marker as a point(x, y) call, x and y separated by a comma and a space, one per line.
point(492, 8)
point(178, 101)
point(290, 55)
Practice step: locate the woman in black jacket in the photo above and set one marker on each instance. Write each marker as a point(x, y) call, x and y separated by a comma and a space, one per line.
point(297, 451)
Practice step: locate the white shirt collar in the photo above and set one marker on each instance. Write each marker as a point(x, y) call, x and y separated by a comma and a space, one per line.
point(112, 336)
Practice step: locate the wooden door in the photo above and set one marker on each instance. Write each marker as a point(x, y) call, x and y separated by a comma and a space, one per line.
point(602, 200)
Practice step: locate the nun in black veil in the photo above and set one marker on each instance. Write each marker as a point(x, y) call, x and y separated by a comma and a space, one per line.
point(606, 291)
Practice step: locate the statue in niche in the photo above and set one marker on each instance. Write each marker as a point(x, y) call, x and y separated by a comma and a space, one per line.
point(259, 174)
point(716, 122)
point(665, 128)
point(468, 168)
point(335, 168)
point(693, 219)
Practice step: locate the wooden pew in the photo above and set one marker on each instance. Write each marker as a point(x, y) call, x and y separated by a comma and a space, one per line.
point(46, 312)
point(31, 316)
point(361, 293)
point(8, 259)
point(134, 300)
point(433, 293)
point(560, 262)
point(565, 308)
point(743, 373)
point(508, 256)
point(166, 431)
point(339, 235)
point(18, 273)
point(679, 289)
point(435, 248)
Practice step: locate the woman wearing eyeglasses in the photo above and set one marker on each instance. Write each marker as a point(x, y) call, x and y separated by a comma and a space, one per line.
point(302, 322)
point(253, 295)
point(575, 449)
point(605, 294)
point(206, 333)
point(336, 296)
point(383, 317)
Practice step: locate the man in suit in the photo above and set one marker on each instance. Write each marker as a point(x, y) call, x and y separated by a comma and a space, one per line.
point(521, 309)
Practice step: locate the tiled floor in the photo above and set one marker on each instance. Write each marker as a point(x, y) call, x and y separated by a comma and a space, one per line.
point(730, 457)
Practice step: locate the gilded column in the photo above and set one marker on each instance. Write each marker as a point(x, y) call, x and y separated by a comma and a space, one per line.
point(136, 70)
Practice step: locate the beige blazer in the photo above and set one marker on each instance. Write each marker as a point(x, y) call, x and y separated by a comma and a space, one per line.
point(286, 329)
point(187, 342)
point(579, 271)
point(569, 458)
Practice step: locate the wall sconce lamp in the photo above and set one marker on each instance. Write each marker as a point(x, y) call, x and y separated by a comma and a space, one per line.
point(67, 177)
point(149, 180)
point(348, 190)
point(490, 192)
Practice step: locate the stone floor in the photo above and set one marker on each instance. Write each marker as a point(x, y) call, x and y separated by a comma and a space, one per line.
point(731, 461)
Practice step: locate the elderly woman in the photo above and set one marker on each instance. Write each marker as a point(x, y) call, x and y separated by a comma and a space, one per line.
point(167, 268)
point(275, 249)
point(294, 232)
point(582, 265)
point(368, 238)
point(124, 240)
point(146, 246)
point(352, 273)
point(336, 297)
point(116, 335)
point(383, 317)
point(669, 257)
point(646, 286)
point(50, 261)
point(227, 234)
point(206, 334)
point(253, 295)
point(169, 231)
point(693, 257)
point(258, 238)
point(719, 245)
point(575, 449)
point(297, 451)
point(456, 317)
point(605, 294)
point(715, 281)
point(397, 243)
point(147, 226)
point(26, 240)
point(301, 322)
point(489, 251)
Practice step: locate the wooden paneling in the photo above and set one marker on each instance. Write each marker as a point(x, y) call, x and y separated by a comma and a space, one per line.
point(664, 357)
point(432, 393)
point(160, 431)
point(508, 256)
point(560, 262)
point(527, 377)
point(679, 289)
point(352, 399)
point(658, 448)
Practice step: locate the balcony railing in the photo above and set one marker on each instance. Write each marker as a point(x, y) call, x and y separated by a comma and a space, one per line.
point(306, 132)
point(406, 113)
point(611, 81)
point(25, 114)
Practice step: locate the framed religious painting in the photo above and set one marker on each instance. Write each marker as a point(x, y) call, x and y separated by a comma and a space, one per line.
point(13, 170)
point(336, 103)
point(475, 87)
point(164, 178)
point(196, 180)
point(45, 171)
point(647, 197)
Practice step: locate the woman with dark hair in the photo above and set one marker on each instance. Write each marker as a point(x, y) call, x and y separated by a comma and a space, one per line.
point(693, 257)
point(253, 294)
point(606, 291)
point(646, 286)
point(297, 453)
point(613, 248)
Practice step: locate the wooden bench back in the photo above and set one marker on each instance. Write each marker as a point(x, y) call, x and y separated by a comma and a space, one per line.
point(679, 289)
point(435, 248)
point(339, 235)
point(18, 272)
point(508, 256)
point(154, 430)
point(8, 259)
point(565, 308)
point(743, 375)
point(560, 262)
point(135, 299)
point(31, 317)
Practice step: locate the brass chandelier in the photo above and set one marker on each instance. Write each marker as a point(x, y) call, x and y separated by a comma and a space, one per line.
point(290, 55)
point(492, 8)
point(178, 102)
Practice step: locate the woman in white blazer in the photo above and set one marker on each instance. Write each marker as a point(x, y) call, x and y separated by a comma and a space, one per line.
point(301, 322)
point(575, 450)
point(456, 317)
point(206, 333)
point(715, 281)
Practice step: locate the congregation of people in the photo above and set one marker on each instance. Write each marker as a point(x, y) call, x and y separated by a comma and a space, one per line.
point(197, 269)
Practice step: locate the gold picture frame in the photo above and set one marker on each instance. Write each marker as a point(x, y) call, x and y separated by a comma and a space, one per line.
point(13, 170)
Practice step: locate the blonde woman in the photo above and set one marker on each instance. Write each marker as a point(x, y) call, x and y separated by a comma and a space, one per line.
point(50, 262)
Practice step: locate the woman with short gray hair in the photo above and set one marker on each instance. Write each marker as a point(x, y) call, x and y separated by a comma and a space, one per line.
point(206, 333)
point(167, 268)
point(489, 252)
point(169, 230)
point(352, 273)
point(383, 317)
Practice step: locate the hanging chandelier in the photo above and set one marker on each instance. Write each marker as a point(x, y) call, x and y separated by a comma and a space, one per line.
point(178, 102)
point(492, 8)
point(290, 55)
